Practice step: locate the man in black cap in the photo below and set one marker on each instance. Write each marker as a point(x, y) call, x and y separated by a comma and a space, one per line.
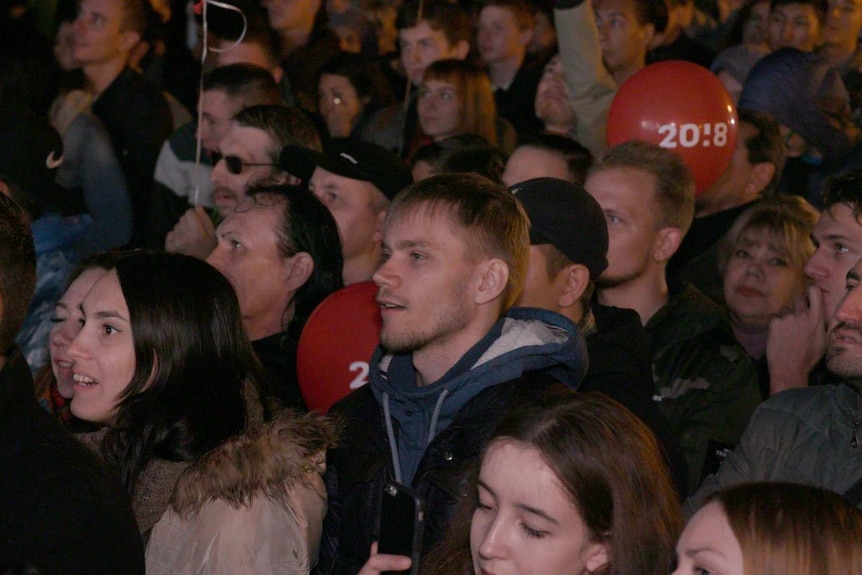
point(356, 181)
point(568, 249)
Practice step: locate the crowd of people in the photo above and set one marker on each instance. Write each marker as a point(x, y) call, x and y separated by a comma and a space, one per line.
point(585, 364)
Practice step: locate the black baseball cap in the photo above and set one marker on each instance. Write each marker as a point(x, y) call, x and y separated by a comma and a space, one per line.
point(351, 159)
point(564, 215)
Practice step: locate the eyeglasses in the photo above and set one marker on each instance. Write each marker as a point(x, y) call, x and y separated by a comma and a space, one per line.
point(234, 164)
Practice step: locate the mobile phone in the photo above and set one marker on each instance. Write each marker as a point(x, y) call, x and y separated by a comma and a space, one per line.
point(400, 524)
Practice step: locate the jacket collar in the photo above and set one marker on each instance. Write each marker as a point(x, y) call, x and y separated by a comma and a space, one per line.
point(268, 459)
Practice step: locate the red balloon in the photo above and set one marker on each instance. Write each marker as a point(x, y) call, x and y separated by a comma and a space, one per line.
point(336, 344)
point(680, 106)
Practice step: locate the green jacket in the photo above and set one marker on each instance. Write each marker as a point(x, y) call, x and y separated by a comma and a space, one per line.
point(799, 435)
point(705, 383)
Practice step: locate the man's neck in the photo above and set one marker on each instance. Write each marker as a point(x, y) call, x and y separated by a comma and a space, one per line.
point(670, 35)
point(360, 268)
point(503, 73)
point(722, 204)
point(100, 76)
point(433, 361)
point(574, 312)
point(623, 74)
point(702, 211)
point(263, 327)
point(646, 295)
point(837, 54)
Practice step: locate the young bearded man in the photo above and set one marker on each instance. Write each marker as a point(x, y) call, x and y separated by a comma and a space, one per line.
point(452, 358)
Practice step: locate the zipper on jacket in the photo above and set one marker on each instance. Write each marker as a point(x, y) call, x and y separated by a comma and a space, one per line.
point(857, 419)
point(854, 442)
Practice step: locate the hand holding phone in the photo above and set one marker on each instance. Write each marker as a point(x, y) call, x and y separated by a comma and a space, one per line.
point(400, 524)
point(378, 563)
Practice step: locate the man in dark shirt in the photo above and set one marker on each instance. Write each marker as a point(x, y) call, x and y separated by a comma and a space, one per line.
point(703, 382)
point(505, 30)
point(132, 109)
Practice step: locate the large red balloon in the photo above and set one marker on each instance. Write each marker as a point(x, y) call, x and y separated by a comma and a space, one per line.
point(336, 343)
point(680, 106)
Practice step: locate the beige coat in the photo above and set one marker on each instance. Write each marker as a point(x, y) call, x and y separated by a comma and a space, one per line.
point(255, 505)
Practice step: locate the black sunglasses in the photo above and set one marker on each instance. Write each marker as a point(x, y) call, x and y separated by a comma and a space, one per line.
point(234, 164)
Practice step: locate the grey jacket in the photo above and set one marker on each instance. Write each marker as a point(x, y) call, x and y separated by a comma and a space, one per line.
point(800, 435)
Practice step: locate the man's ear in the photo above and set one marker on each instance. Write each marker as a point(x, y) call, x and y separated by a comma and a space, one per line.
point(577, 279)
point(526, 36)
point(299, 268)
point(130, 39)
point(759, 177)
point(277, 74)
point(5, 190)
point(667, 242)
point(378, 228)
point(647, 35)
point(495, 278)
point(462, 49)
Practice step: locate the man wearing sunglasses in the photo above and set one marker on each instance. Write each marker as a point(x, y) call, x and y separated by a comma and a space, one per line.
point(181, 182)
point(247, 153)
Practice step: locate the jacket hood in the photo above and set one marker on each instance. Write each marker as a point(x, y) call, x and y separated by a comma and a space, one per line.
point(268, 459)
point(524, 339)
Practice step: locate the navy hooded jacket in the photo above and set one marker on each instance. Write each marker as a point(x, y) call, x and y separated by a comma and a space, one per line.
point(431, 437)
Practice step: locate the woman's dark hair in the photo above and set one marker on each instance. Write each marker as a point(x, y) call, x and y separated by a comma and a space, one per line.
point(610, 464)
point(463, 153)
point(306, 226)
point(366, 78)
point(192, 361)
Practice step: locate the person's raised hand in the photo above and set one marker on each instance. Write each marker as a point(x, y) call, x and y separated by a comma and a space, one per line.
point(194, 234)
point(796, 342)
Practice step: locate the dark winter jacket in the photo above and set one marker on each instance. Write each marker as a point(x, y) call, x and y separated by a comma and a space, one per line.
point(62, 511)
point(390, 422)
point(810, 435)
point(620, 367)
point(704, 382)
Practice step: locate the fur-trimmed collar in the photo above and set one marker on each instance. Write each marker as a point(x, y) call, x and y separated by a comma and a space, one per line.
point(267, 459)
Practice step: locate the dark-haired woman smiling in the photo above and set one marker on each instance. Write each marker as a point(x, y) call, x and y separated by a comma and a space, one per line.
point(163, 363)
